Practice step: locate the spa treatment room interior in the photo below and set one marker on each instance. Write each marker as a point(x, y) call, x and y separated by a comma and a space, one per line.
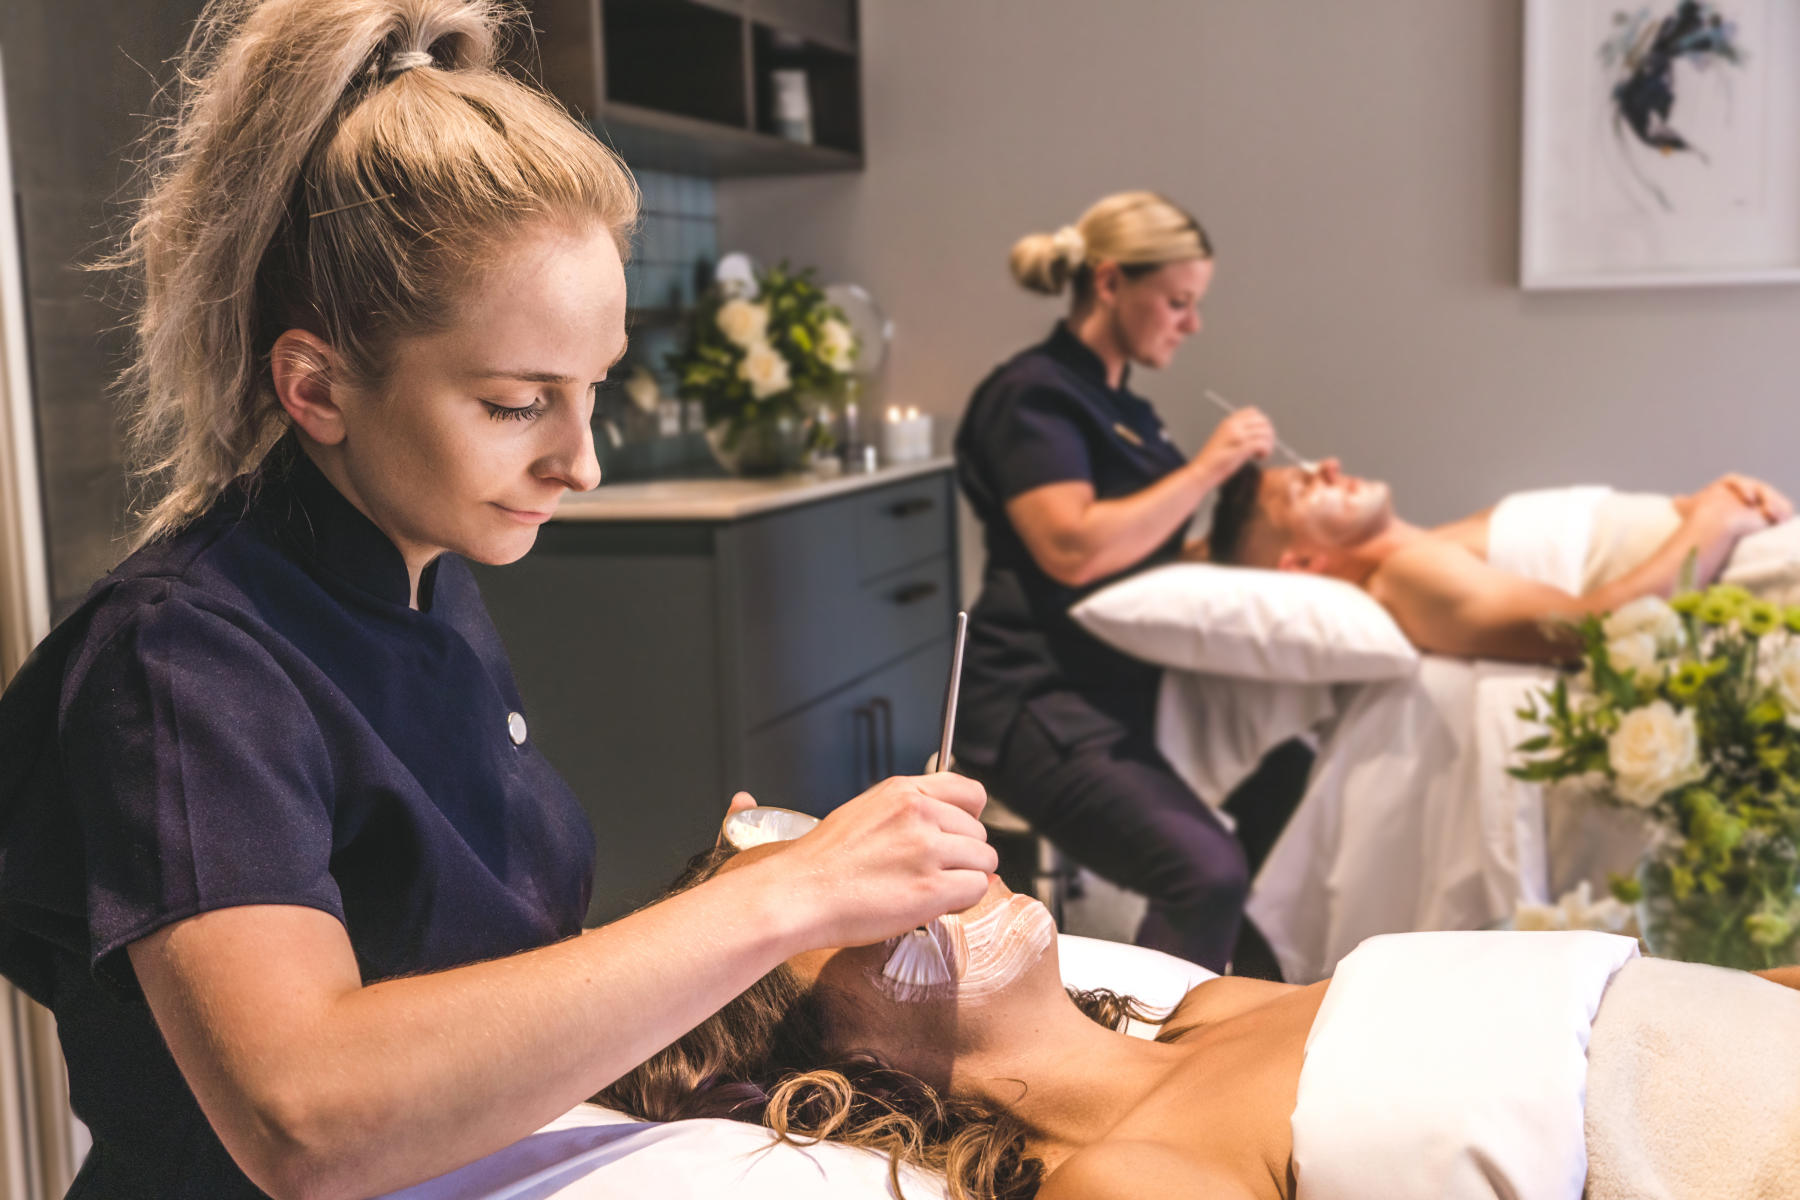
point(961, 599)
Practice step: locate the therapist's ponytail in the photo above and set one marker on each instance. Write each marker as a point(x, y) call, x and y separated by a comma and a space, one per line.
point(1140, 231)
point(341, 166)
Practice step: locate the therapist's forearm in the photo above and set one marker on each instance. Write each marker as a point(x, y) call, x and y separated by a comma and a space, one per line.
point(1103, 537)
point(342, 1105)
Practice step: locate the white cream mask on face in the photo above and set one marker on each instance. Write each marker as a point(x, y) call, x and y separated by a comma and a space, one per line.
point(969, 959)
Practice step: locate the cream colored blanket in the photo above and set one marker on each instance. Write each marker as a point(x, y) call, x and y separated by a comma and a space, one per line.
point(1693, 1088)
point(1628, 527)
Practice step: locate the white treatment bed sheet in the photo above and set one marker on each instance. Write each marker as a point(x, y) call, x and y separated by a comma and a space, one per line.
point(592, 1153)
point(1410, 821)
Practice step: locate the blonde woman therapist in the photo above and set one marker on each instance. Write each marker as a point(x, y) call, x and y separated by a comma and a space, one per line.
point(275, 843)
point(1076, 483)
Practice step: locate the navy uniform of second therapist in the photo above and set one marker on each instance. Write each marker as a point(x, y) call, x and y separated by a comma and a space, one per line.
point(1076, 482)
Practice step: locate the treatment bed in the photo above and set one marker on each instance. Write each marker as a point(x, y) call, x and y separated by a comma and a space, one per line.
point(591, 1153)
point(1410, 820)
point(1440, 1066)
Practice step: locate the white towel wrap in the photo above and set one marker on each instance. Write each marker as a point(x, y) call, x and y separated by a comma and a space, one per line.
point(1453, 1066)
point(1543, 535)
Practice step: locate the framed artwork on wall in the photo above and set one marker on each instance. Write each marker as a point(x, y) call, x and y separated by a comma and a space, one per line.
point(1661, 143)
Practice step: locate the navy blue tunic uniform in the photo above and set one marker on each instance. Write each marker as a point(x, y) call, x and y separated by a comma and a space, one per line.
point(1060, 725)
point(251, 713)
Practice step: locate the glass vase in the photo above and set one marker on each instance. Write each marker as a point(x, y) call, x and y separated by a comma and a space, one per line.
point(1717, 927)
point(775, 445)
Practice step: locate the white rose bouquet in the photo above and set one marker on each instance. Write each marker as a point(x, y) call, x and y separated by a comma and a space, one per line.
point(1689, 711)
point(763, 362)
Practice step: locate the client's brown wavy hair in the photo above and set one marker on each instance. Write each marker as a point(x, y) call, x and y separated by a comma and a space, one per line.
point(769, 1058)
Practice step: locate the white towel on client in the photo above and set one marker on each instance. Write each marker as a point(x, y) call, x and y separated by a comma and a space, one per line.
point(1694, 1086)
point(1577, 538)
point(1453, 1066)
point(1544, 535)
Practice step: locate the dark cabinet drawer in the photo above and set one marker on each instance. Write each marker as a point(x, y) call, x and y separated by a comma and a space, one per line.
point(905, 609)
point(900, 525)
point(887, 723)
point(666, 664)
point(810, 616)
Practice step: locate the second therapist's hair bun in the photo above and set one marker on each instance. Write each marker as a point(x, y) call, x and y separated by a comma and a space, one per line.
point(1134, 229)
point(1044, 262)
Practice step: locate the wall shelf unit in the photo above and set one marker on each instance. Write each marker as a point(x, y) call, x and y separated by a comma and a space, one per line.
point(687, 85)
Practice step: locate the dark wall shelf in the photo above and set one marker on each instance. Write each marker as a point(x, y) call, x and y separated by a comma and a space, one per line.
point(664, 141)
point(686, 85)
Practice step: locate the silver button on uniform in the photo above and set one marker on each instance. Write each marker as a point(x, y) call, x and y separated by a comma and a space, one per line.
point(515, 726)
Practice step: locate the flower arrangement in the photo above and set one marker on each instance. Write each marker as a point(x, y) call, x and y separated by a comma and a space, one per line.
point(1689, 712)
point(762, 360)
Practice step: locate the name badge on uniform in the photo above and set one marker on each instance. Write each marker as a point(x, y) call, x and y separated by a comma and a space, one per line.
point(1128, 435)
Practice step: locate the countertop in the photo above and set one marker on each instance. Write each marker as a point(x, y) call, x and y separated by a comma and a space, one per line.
point(728, 499)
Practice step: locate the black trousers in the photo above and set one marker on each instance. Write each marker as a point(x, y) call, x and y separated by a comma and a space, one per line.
point(1116, 806)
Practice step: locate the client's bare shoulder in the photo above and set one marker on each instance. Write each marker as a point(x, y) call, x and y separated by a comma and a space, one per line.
point(1450, 602)
point(1427, 586)
point(1218, 1124)
point(1127, 1169)
point(1222, 998)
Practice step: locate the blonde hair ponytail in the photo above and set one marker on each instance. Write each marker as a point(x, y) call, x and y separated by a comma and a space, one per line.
point(337, 165)
point(1138, 230)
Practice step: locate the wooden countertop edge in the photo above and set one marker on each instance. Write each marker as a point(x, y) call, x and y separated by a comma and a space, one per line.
point(729, 499)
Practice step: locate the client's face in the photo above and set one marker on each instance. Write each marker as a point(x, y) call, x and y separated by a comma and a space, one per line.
point(1324, 509)
point(1002, 954)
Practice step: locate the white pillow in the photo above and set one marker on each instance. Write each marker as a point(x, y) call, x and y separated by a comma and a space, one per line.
point(1277, 626)
point(592, 1153)
point(1768, 563)
point(1158, 980)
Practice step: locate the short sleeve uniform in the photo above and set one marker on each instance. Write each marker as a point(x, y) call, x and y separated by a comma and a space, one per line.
point(251, 713)
point(1049, 416)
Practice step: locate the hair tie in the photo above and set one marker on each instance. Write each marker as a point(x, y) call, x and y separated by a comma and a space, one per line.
point(1070, 245)
point(405, 61)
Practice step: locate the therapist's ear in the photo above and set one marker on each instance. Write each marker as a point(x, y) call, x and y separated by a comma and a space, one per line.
point(303, 366)
point(1108, 278)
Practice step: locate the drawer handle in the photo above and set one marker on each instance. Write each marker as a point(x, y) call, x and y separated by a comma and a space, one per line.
point(867, 750)
point(884, 715)
point(911, 508)
point(912, 593)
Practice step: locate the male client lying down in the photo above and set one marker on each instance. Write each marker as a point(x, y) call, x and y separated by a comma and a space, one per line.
point(1438, 583)
point(1447, 1066)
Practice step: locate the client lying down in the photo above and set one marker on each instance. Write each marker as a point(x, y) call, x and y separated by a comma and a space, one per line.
point(1438, 583)
point(1433, 1065)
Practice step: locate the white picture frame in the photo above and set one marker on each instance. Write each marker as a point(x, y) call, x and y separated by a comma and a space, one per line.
point(1616, 192)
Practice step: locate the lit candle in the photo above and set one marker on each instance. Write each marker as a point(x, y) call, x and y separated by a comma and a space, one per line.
point(906, 435)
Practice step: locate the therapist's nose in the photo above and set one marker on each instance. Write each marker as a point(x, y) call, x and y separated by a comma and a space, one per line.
point(572, 461)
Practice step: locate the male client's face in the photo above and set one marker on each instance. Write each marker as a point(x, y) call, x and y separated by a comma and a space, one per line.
point(1324, 509)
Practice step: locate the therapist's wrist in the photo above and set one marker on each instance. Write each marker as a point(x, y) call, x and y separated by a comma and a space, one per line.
point(762, 903)
point(1206, 472)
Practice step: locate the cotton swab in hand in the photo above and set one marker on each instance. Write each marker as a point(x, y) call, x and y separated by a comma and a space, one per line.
point(1305, 464)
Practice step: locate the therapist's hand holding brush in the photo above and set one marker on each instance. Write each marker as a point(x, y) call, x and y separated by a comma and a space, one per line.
point(906, 851)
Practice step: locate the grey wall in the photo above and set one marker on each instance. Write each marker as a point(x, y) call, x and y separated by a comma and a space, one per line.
point(78, 79)
point(1358, 168)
